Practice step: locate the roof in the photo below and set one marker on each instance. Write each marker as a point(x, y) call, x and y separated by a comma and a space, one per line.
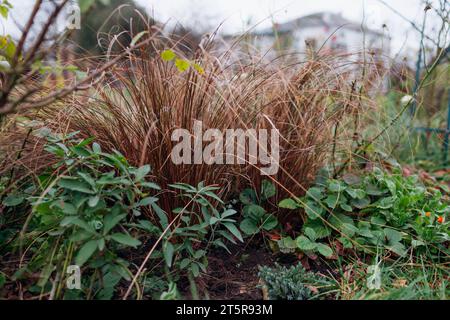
point(331, 20)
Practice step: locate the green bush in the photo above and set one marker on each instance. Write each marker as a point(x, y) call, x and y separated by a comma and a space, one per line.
point(89, 209)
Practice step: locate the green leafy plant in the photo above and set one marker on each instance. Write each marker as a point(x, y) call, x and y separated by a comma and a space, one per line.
point(379, 209)
point(81, 211)
point(256, 218)
point(200, 226)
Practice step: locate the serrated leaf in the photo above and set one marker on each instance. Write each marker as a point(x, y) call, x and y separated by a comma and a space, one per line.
point(248, 226)
point(303, 243)
point(313, 210)
point(267, 189)
point(324, 250)
point(310, 233)
point(332, 201)
point(336, 186)
point(270, 222)
point(288, 204)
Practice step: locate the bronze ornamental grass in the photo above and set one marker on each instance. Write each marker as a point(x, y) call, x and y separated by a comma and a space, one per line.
point(144, 98)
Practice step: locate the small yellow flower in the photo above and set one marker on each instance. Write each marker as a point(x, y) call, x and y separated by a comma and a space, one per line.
point(427, 214)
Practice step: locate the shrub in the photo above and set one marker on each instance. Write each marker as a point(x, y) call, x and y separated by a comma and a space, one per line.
point(87, 209)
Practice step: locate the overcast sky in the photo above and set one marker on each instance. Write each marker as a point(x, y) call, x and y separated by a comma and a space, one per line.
point(238, 15)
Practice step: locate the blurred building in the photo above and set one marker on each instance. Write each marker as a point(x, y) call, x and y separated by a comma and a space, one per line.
point(324, 30)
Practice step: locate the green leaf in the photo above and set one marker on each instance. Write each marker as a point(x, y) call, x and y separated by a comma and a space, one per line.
point(320, 229)
point(162, 215)
point(385, 203)
point(267, 189)
point(247, 196)
point(147, 201)
point(248, 226)
point(315, 193)
point(351, 179)
point(150, 185)
point(142, 172)
point(74, 220)
point(182, 64)
point(93, 201)
point(199, 253)
point(336, 186)
point(287, 242)
point(417, 243)
point(270, 222)
point(96, 148)
point(343, 224)
point(13, 200)
point(168, 251)
point(313, 210)
point(373, 190)
point(397, 248)
point(75, 185)
point(168, 55)
point(356, 193)
point(360, 203)
point(198, 67)
point(288, 204)
point(332, 201)
point(310, 233)
point(111, 220)
point(125, 239)
point(137, 37)
point(392, 236)
point(232, 228)
point(4, 11)
point(304, 244)
point(228, 213)
point(254, 211)
point(345, 242)
point(324, 250)
point(346, 207)
point(86, 251)
point(195, 270)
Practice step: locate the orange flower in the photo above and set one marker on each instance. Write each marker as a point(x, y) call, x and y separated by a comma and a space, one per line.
point(440, 219)
point(428, 214)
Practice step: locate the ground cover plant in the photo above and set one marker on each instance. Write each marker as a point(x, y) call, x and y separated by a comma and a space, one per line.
point(92, 206)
